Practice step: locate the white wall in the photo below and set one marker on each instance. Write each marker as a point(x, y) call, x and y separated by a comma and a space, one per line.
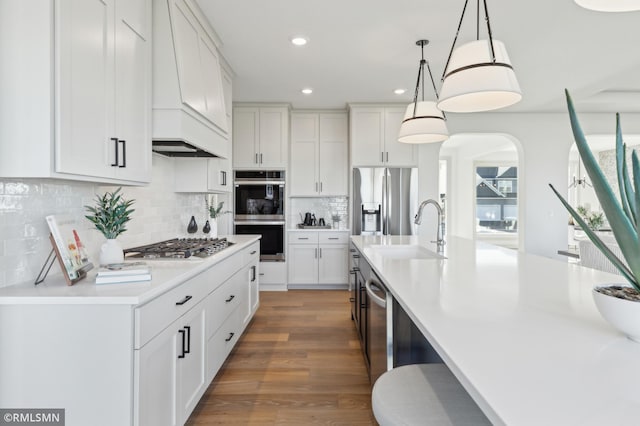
point(160, 214)
point(545, 141)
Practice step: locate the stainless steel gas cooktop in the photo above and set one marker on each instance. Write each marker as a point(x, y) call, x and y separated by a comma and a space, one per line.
point(179, 248)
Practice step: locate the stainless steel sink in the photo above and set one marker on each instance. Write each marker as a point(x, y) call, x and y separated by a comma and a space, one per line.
point(405, 251)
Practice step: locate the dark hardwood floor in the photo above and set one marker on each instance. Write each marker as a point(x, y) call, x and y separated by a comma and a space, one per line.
point(298, 363)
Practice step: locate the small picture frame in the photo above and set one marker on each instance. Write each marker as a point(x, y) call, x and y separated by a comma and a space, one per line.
point(69, 248)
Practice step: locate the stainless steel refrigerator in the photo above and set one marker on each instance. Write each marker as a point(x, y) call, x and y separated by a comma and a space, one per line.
point(385, 200)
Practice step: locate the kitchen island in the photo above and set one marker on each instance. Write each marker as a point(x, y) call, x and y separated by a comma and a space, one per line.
point(520, 332)
point(130, 353)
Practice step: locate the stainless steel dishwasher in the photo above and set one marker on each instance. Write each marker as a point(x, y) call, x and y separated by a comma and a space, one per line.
point(380, 328)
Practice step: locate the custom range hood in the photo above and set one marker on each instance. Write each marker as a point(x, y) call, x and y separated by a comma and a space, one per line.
point(189, 98)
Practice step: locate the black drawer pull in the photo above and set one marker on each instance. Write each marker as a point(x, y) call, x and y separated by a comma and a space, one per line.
point(183, 301)
point(228, 339)
point(183, 342)
point(124, 153)
point(303, 238)
point(253, 252)
point(115, 140)
point(334, 238)
point(230, 298)
point(188, 328)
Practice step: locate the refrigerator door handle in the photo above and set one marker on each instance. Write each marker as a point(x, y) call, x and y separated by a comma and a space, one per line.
point(388, 196)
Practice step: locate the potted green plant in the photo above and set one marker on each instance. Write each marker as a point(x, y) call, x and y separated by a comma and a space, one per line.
point(214, 213)
point(594, 220)
point(617, 303)
point(110, 215)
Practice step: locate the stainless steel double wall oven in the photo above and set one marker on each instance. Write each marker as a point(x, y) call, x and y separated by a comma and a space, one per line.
point(259, 209)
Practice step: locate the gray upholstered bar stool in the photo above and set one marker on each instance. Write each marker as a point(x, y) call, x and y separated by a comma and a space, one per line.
point(423, 394)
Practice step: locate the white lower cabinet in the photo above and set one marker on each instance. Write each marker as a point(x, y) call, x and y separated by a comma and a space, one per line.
point(174, 368)
point(318, 259)
point(273, 275)
point(125, 362)
point(171, 371)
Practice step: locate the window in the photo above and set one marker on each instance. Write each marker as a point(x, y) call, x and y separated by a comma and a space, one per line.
point(496, 199)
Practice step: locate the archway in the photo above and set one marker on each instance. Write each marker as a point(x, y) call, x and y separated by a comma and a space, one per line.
point(481, 186)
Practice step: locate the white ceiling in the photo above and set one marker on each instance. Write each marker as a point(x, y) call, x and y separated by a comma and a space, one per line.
point(361, 50)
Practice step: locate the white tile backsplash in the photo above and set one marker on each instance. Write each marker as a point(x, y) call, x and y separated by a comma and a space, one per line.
point(324, 207)
point(160, 214)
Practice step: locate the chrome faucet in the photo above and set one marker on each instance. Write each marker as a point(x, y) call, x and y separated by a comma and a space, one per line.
point(440, 233)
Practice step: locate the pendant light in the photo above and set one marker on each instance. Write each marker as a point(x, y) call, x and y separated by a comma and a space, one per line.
point(423, 121)
point(478, 75)
point(610, 5)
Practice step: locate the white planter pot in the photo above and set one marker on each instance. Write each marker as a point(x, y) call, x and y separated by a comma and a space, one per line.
point(111, 252)
point(213, 223)
point(623, 314)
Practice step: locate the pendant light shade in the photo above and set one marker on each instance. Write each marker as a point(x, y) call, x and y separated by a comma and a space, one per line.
point(610, 5)
point(423, 121)
point(426, 126)
point(475, 81)
point(478, 75)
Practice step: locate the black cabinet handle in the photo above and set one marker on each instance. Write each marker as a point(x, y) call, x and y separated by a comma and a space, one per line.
point(188, 328)
point(115, 144)
point(260, 158)
point(230, 298)
point(256, 158)
point(228, 339)
point(253, 252)
point(334, 238)
point(183, 301)
point(253, 273)
point(303, 238)
point(124, 153)
point(183, 342)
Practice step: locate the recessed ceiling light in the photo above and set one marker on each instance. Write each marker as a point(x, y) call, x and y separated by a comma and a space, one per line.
point(307, 91)
point(299, 40)
point(399, 91)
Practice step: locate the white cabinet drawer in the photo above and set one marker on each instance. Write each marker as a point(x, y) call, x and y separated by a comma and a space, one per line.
point(224, 300)
point(304, 237)
point(156, 315)
point(333, 237)
point(251, 253)
point(221, 343)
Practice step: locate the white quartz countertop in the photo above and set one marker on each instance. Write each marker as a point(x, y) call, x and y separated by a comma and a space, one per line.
point(521, 332)
point(166, 274)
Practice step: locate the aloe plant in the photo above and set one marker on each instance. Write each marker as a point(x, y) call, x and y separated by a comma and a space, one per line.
point(623, 213)
point(110, 214)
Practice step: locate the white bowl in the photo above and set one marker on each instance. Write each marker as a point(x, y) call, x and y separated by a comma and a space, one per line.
point(622, 314)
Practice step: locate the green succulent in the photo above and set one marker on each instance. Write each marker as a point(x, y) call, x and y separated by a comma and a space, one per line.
point(110, 213)
point(623, 214)
point(215, 212)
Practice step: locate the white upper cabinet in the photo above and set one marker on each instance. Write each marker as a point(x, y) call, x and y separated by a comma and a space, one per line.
point(98, 93)
point(203, 175)
point(319, 164)
point(188, 91)
point(260, 137)
point(374, 138)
